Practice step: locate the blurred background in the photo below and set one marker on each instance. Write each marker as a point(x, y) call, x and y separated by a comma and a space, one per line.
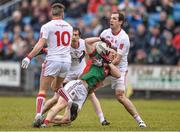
point(153, 27)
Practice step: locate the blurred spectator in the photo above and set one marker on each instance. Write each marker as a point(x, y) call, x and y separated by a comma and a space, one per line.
point(176, 42)
point(95, 26)
point(169, 25)
point(75, 10)
point(155, 40)
point(167, 6)
point(24, 8)
point(162, 22)
point(141, 57)
point(168, 50)
point(95, 5)
point(152, 6)
point(140, 41)
point(104, 17)
point(126, 6)
point(6, 52)
point(152, 25)
point(16, 20)
point(154, 56)
point(19, 46)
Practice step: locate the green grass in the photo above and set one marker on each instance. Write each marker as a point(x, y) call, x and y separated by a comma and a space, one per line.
point(17, 113)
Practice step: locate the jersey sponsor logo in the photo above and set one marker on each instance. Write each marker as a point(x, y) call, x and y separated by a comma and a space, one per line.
point(121, 46)
point(61, 25)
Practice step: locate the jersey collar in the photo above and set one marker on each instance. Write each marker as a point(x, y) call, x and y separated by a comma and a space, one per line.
point(116, 33)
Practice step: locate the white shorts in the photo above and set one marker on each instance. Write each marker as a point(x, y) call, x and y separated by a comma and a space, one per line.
point(73, 75)
point(75, 91)
point(119, 83)
point(55, 68)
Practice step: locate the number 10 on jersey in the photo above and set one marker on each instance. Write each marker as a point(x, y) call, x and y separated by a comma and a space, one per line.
point(61, 38)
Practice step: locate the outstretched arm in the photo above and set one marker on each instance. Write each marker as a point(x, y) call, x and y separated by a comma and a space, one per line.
point(89, 42)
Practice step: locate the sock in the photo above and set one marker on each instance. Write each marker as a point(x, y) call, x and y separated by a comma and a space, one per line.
point(101, 117)
point(40, 103)
point(138, 118)
point(46, 122)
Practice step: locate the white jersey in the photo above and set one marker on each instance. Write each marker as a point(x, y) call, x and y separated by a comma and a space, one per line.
point(58, 34)
point(76, 54)
point(120, 43)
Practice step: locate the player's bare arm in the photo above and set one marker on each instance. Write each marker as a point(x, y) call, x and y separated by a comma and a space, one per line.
point(35, 51)
point(89, 42)
point(114, 71)
point(39, 45)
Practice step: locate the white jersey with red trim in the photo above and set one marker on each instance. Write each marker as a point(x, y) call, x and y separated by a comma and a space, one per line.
point(58, 34)
point(120, 43)
point(76, 54)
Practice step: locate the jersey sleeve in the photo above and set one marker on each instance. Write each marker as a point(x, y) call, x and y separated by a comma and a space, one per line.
point(84, 46)
point(123, 46)
point(44, 32)
point(102, 35)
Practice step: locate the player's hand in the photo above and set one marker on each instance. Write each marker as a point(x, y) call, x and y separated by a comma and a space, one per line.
point(106, 41)
point(25, 63)
point(105, 58)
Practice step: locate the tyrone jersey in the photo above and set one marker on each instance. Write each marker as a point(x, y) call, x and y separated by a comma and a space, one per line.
point(76, 54)
point(120, 43)
point(58, 34)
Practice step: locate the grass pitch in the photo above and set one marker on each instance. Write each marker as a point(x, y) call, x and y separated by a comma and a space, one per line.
point(17, 113)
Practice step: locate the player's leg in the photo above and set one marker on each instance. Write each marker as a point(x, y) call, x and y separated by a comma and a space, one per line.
point(98, 109)
point(49, 70)
point(61, 104)
point(50, 102)
point(40, 99)
point(119, 86)
point(62, 119)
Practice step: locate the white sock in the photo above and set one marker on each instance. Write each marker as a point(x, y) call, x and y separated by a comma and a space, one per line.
point(101, 117)
point(138, 118)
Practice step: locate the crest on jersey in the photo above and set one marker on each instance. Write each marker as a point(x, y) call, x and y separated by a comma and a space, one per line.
point(121, 46)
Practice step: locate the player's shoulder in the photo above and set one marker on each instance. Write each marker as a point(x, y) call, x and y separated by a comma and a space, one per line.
point(81, 41)
point(66, 23)
point(106, 30)
point(123, 34)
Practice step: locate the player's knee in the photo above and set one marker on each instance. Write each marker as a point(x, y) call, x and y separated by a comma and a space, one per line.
point(120, 95)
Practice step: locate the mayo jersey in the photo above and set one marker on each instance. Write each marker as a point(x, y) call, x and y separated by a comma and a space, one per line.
point(76, 54)
point(58, 34)
point(120, 43)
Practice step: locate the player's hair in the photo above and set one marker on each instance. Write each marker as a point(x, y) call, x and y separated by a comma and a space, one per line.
point(77, 29)
point(121, 15)
point(57, 9)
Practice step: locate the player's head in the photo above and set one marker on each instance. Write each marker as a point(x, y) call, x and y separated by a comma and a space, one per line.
point(116, 20)
point(57, 10)
point(76, 34)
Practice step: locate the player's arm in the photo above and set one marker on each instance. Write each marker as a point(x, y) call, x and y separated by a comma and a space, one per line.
point(89, 43)
point(117, 59)
point(92, 40)
point(114, 71)
point(37, 48)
